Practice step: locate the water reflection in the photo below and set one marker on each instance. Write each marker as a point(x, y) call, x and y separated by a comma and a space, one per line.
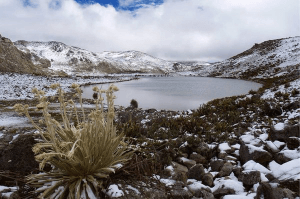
point(176, 93)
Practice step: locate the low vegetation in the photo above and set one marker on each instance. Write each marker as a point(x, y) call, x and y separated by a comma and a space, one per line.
point(82, 150)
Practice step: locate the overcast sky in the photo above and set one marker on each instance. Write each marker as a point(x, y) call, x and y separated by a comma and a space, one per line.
point(203, 30)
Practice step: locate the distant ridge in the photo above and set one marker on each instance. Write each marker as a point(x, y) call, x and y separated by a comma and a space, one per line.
point(273, 58)
point(73, 60)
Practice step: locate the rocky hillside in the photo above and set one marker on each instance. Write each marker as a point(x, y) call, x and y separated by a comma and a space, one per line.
point(268, 59)
point(75, 60)
point(14, 60)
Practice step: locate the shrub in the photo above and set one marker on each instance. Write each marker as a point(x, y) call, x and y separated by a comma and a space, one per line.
point(95, 95)
point(294, 92)
point(134, 103)
point(82, 156)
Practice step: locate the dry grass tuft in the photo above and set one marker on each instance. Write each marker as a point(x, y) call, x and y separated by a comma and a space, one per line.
point(82, 153)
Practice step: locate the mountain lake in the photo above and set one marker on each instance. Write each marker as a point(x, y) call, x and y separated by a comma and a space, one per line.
point(175, 93)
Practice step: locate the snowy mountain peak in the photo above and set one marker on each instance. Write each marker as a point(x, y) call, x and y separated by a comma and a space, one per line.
point(76, 60)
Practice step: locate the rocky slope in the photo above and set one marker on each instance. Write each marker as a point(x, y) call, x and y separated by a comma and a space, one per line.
point(74, 60)
point(13, 60)
point(268, 59)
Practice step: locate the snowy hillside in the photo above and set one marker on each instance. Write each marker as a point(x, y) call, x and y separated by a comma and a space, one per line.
point(75, 60)
point(268, 59)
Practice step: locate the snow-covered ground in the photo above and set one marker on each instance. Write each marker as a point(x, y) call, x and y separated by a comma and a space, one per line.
point(15, 86)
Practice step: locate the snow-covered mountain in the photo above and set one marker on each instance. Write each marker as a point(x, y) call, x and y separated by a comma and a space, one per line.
point(75, 60)
point(271, 58)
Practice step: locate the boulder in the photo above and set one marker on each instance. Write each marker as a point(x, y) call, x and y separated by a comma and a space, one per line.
point(186, 162)
point(250, 152)
point(177, 172)
point(222, 155)
point(223, 191)
point(204, 193)
point(249, 178)
point(180, 176)
point(196, 172)
point(267, 191)
point(216, 165)
point(18, 155)
point(293, 185)
point(225, 170)
point(282, 134)
point(178, 191)
point(179, 167)
point(208, 179)
point(281, 158)
point(198, 158)
point(271, 109)
point(293, 143)
point(204, 150)
point(237, 171)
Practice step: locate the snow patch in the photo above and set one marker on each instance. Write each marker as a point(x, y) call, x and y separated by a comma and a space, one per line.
point(114, 191)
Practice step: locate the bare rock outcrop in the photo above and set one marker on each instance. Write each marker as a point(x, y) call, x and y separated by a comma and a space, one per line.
point(13, 60)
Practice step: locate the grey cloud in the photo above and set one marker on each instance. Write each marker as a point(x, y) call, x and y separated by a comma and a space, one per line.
point(173, 30)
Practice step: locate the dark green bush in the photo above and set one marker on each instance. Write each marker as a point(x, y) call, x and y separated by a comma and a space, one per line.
point(134, 103)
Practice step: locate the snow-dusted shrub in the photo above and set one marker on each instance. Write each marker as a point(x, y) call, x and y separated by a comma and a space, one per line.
point(81, 155)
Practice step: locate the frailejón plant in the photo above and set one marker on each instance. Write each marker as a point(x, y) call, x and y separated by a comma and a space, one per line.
point(82, 153)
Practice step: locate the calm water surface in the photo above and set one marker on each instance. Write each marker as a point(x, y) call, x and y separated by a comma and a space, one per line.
point(175, 93)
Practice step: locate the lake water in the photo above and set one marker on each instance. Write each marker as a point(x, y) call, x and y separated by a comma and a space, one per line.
point(175, 93)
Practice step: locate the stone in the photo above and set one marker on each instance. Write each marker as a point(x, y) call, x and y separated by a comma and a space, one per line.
point(179, 176)
point(223, 191)
point(18, 156)
point(225, 170)
point(249, 178)
point(198, 158)
point(230, 158)
point(178, 191)
point(179, 172)
point(196, 172)
point(237, 171)
point(224, 147)
point(260, 156)
point(292, 106)
point(284, 134)
point(216, 165)
point(187, 162)
point(208, 179)
point(179, 167)
point(271, 109)
point(266, 191)
point(203, 193)
point(293, 143)
point(223, 155)
point(204, 150)
point(270, 177)
point(281, 158)
point(293, 185)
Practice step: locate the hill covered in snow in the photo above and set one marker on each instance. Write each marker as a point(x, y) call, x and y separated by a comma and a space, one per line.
point(273, 58)
point(76, 60)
